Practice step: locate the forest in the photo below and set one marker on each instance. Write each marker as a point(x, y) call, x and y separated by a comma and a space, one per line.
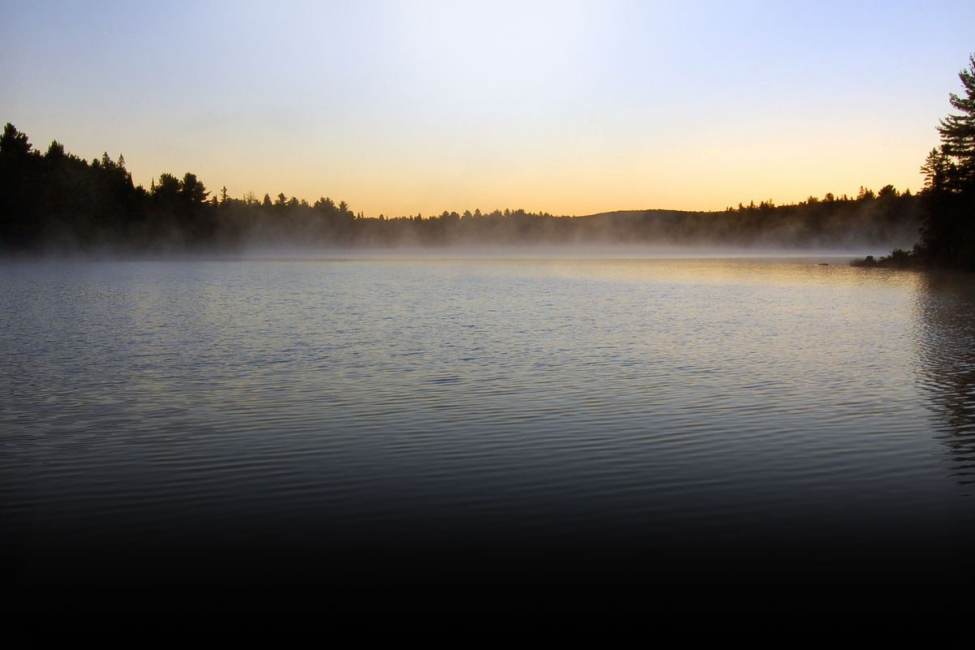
point(56, 202)
point(947, 202)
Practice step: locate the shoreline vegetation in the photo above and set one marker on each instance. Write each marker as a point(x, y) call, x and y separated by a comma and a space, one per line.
point(947, 234)
point(58, 203)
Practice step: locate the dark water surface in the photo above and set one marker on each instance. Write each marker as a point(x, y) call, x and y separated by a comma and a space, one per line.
point(496, 421)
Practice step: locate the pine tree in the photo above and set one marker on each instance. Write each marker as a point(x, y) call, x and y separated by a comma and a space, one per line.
point(958, 130)
point(948, 230)
point(936, 170)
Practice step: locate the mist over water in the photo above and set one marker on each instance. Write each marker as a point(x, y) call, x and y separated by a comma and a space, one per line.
point(654, 413)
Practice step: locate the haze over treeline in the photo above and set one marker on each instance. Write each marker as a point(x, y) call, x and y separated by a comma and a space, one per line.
point(55, 200)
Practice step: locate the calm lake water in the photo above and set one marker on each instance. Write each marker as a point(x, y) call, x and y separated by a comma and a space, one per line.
point(710, 404)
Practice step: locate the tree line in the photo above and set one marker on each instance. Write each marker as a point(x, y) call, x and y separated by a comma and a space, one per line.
point(57, 201)
point(947, 236)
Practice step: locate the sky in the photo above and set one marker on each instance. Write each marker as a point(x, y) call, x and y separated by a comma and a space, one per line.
point(569, 107)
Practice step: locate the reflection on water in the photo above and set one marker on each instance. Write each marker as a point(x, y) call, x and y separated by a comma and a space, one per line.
point(768, 404)
point(946, 351)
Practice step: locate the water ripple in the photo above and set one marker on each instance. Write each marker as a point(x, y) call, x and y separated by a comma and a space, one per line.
point(678, 392)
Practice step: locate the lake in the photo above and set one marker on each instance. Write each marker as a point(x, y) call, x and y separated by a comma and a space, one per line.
point(352, 420)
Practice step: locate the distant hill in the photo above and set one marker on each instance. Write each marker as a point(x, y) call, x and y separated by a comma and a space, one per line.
point(56, 201)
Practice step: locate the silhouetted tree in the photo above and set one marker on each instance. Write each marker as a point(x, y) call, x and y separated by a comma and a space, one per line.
point(948, 231)
point(192, 191)
point(948, 199)
point(13, 143)
point(958, 129)
point(58, 199)
point(936, 170)
point(167, 191)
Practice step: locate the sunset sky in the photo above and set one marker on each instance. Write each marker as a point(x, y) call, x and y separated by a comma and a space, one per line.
point(568, 107)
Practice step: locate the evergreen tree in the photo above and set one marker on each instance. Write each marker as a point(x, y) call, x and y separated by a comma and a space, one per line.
point(13, 143)
point(958, 130)
point(936, 170)
point(948, 231)
point(192, 190)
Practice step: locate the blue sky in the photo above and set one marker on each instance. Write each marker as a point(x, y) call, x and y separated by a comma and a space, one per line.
point(570, 107)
